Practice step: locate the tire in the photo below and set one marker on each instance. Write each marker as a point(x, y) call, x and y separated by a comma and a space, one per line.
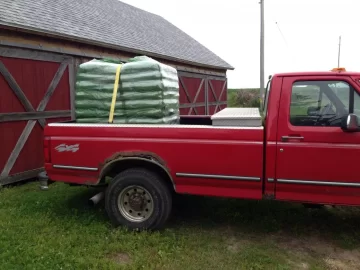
point(138, 199)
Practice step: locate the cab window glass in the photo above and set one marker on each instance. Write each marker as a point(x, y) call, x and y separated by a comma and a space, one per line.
point(357, 104)
point(319, 103)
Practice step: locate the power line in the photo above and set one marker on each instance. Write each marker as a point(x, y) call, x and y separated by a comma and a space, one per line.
point(282, 35)
point(292, 56)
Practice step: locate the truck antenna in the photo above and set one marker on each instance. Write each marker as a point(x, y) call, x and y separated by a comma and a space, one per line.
point(339, 51)
point(261, 47)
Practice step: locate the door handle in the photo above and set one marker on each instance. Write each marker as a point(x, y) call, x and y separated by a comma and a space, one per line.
point(290, 138)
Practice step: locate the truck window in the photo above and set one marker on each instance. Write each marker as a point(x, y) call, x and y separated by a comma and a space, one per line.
point(322, 103)
point(357, 104)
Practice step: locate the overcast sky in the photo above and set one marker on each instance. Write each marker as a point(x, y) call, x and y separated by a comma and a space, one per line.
point(300, 35)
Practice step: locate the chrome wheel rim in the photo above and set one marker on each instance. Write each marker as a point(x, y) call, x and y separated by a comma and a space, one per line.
point(135, 203)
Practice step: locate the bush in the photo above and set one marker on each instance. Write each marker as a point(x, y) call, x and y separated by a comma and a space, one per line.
point(244, 98)
point(248, 98)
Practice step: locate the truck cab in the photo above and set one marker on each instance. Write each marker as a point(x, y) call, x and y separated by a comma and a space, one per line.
point(311, 136)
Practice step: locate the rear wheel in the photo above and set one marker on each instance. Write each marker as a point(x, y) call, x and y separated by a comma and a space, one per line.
point(138, 199)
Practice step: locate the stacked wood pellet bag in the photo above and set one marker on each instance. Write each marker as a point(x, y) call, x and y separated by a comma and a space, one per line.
point(140, 91)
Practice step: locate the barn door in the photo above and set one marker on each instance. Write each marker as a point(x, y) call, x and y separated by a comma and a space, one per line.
point(192, 94)
point(35, 89)
point(201, 94)
point(216, 94)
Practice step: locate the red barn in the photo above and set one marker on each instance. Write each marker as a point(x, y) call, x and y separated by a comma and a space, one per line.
point(43, 42)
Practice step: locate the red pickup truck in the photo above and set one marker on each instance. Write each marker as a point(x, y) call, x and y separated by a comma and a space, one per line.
point(305, 151)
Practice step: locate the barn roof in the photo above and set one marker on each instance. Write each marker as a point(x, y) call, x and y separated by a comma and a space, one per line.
point(109, 23)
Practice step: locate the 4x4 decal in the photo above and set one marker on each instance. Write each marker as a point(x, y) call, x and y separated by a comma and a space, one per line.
point(67, 148)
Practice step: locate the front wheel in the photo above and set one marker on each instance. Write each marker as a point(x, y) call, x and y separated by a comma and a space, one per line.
point(138, 199)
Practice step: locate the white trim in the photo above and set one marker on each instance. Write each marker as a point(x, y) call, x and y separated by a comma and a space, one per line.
point(83, 125)
point(218, 176)
point(321, 183)
point(75, 168)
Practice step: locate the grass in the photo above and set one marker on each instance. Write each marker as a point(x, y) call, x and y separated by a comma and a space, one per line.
point(56, 229)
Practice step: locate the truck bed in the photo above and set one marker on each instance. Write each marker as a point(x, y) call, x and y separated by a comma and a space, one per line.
point(79, 151)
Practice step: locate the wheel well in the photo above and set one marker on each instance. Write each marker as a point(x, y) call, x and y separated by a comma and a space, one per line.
point(117, 166)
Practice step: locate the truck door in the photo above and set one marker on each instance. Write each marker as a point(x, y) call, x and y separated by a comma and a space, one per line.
point(317, 161)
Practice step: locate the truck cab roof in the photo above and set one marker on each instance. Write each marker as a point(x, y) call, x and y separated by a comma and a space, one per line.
point(318, 73)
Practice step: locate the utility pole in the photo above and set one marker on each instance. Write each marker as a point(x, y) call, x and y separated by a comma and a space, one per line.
point(262, 90)
point(339, 51)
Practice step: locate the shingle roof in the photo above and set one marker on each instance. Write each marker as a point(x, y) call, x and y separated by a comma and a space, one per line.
point(108, 23)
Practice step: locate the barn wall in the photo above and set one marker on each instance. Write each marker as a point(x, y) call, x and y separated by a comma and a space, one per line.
point(29, 64)
point(202, 94)
point(13, 38)
point(205, 103)
point(35, 89)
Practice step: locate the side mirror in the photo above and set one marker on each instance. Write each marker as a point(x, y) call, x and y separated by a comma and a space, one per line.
point(350, 123)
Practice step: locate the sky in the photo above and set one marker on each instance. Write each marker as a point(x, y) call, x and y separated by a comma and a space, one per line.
point(300, 35)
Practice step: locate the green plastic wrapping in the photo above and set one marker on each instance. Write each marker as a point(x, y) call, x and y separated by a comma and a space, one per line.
point(148, 92)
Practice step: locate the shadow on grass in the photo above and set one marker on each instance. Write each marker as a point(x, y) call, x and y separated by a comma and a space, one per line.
point(339, 224)
point(63, 202)
point(258, 218)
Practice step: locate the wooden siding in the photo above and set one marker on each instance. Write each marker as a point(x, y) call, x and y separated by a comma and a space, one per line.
point(217, 94)
point(9, 37)
point(201, 94)
point(32, 92)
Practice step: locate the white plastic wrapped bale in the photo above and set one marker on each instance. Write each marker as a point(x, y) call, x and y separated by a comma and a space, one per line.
point(242, 117)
